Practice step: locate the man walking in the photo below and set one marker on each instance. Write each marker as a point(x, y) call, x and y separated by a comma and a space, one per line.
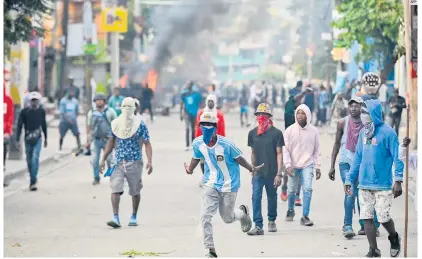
point(69, 111)
point(34, 121)
point(146, 101)
point(323, 104)
point(115, 101)
point(301, 157)
point(376, 150)
point(188, 110)
point(397, 104)
point(266, 142)
point(127, 132)
point(347, 134)
point(98, 131)
point(222, 179)
point(243, 102)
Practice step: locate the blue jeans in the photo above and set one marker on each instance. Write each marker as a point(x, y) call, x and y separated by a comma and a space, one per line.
point(258, 184)
point(99, 144)
point(349, 200)
point(304, 175)
point(33, 159)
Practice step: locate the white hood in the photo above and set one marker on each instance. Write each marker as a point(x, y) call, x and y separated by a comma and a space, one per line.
point(213, 110)
point(307, 111)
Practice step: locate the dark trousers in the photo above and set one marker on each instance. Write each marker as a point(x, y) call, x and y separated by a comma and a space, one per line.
point(190, 122)
point(258, 184)
point(394, 122)
point(147, 106)
point(4, 153)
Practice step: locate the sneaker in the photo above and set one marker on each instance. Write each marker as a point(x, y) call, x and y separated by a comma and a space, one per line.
point(246, 221)
point(96, 182)
point(283, 195)
point(290, 215)
point(210, 254)
point(361, 232)
point(133, 222)
point(33, 187)
point(348, 232)
point(395, 248)
point(298, 202)
point(272, 227)
point(187, 149)
point(305, 221)
point(373, 253)
point(114, 223)
point(256, 231)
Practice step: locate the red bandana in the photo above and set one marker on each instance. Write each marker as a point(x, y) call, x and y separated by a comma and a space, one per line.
point(263, 123)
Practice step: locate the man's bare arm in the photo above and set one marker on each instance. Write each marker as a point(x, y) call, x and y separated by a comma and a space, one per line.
point(279, 160)
point(337, 143)
point(148, 150)
point(193, 164)
point(242, 162)
point(109, 148)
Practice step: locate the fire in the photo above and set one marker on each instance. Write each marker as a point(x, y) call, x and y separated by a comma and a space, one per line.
point(151, 79)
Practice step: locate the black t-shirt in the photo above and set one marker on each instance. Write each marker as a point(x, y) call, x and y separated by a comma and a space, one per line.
point(265, 149)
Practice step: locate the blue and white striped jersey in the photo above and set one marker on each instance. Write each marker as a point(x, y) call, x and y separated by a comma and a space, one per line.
point(221, 171)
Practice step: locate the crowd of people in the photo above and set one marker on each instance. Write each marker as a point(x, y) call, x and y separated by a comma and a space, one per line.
point(367, 148)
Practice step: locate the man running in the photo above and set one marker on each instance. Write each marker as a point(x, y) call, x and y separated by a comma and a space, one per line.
point(222, 179)
point(98, 131)
point(34, 120)
point(210, 106)
point(115, 101)
point(146, 101)
point(127, 132)
point(347, 135)
point(266, 142)
point(301, 156)
point(376, 151)
point(188, 110)
point(69, 111)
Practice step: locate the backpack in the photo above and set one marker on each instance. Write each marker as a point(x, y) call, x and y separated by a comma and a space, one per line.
point(100, 125)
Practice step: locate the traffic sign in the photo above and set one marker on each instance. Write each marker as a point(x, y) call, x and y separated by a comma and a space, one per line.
point(114, 19)
point(90, 49)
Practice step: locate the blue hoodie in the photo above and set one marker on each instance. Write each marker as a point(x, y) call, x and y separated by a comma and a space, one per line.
point(374, 158)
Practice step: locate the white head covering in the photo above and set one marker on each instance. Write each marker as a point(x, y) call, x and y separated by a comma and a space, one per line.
point(213, 98)
point(126, 125)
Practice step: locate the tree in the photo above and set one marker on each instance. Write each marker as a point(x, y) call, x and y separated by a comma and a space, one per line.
point(23, 19)
point(375, 25)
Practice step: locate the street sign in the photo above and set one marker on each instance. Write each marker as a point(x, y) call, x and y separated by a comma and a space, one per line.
point(87, 20)
point(114, 19)
point(90, 49)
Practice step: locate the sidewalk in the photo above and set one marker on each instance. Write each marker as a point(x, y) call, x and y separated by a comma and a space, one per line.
point(18, 168)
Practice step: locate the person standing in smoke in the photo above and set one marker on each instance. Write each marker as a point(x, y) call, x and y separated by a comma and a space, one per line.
point(301, 156)
point(210, 106)
point(222, 179)
point(191, 101)
point(347, 134)
point(376, 151)
point(266, 142)
point(127, 132)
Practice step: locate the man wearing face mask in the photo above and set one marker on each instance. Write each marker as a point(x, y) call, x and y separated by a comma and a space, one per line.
point(221, 181)
point(98, 131)
point(266, 142)
point(301, 155)
point(127, 132)
point(210, 106)
point(34, 120)
point(376, 151)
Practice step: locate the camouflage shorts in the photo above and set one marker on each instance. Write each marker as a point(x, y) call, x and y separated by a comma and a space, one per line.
point(381, 201)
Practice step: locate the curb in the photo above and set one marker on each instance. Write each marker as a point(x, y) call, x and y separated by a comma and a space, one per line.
point(21, 172)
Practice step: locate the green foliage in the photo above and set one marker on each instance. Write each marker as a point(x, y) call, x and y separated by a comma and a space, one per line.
point(21, 29)
point(377, 19)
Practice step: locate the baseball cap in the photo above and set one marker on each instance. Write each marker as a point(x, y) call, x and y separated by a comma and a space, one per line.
point(356, 99)
point(34, 95)
point(208, 117)
point(263, 108)
point(100, 96)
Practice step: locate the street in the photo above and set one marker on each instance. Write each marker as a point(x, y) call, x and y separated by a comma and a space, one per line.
point(67, 216)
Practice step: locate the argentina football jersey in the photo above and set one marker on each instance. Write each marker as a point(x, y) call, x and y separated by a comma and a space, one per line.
point(221, 171)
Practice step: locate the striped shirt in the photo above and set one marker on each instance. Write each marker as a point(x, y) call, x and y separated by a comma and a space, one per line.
point(221, 170)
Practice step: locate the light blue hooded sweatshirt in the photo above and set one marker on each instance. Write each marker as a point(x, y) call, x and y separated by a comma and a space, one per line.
point(374, 158)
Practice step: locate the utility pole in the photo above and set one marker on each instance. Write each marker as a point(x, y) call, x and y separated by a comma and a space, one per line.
point(310, 44)
point(88, 28)
point(63, 64)
point(115, 64)
point(137, 42)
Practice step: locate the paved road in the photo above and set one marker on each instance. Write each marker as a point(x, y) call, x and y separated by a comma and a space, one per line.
point(67, 216)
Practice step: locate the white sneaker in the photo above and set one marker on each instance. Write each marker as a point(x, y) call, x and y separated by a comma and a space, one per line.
point(187, 148)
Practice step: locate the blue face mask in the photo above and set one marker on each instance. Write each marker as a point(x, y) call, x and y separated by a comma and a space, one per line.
point(207, 133)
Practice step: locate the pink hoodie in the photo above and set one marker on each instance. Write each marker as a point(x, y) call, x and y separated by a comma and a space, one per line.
point(301, 145)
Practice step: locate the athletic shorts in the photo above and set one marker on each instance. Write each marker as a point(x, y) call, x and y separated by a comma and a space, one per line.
point(381, 201)
point(243, 109)
point(132, 172)
point(64, 126)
